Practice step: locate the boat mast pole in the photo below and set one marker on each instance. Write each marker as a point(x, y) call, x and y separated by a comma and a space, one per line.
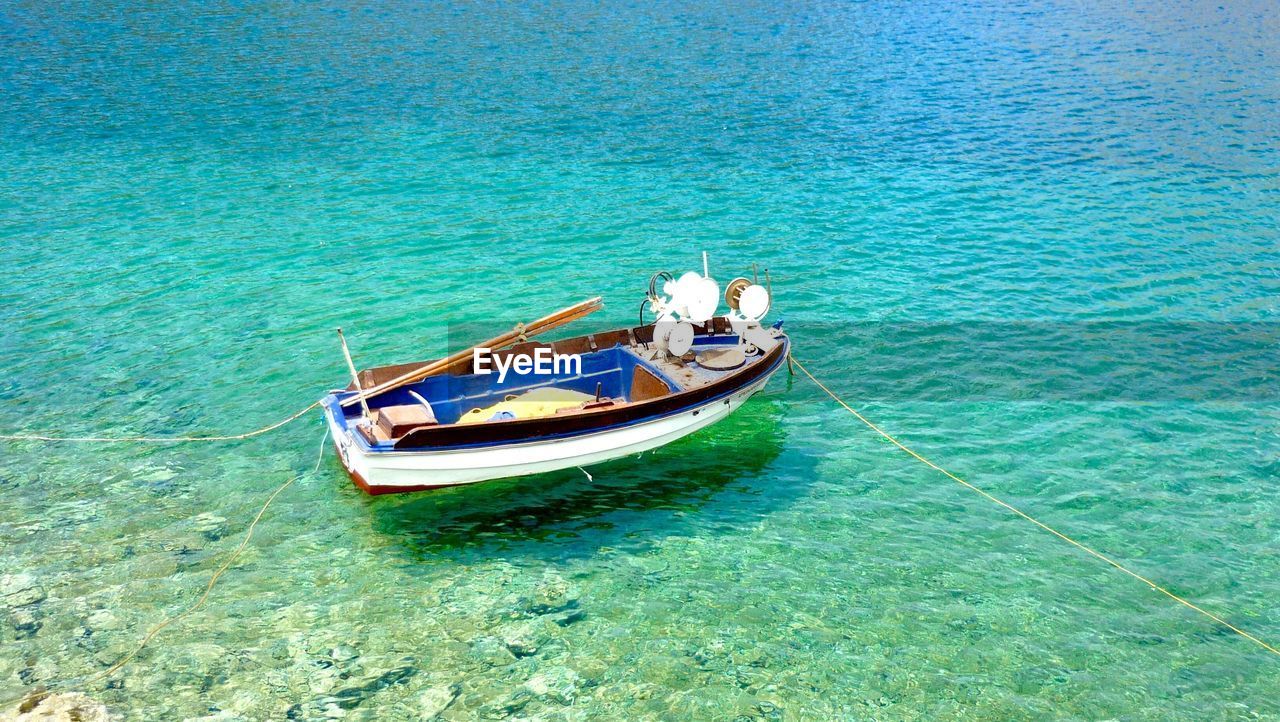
point(355, 377)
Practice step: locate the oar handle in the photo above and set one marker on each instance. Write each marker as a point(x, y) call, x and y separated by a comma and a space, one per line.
point(529, 330)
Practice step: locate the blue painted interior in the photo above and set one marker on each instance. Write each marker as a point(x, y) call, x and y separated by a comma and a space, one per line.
point(452, 396)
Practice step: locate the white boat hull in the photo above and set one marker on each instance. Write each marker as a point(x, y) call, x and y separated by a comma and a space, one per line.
point(386, 472)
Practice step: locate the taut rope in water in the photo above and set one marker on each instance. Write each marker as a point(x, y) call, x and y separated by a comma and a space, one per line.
point(1080, 545)
point(156, 439)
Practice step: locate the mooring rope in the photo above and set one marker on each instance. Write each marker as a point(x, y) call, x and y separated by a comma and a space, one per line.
point(1080, 545)
point(234, 555)
point(204, 596)
point(156, 439)
point(216, 575)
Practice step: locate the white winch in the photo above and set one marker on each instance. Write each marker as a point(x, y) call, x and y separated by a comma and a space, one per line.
point(694, 299)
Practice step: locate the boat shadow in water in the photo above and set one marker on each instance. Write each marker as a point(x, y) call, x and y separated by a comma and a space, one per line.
point(717, 478)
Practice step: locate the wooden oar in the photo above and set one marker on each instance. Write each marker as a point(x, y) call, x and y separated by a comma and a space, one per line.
point(542, 325)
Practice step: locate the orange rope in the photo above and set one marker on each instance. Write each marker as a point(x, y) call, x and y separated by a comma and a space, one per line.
point(1079, 545)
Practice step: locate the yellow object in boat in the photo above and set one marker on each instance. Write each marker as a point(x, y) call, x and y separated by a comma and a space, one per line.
point(529, 405)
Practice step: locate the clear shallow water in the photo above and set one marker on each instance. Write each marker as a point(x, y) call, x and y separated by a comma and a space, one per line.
point(194, 197)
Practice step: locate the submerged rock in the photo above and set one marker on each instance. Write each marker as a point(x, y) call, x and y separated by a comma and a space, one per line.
point(24, 623)
point(65, 707)
point(552, 595)
point(20, 590)
point(102, 619)
point(568, 617)
point(436, 699)
point(343, 653)
point(210, 525)
point(524, 640)
point(352, 697)
point(505, 707)
point(491, 651)
point(558, 684)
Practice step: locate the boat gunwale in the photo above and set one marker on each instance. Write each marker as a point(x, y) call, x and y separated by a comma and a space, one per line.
point(517, 432)
point(421, 451)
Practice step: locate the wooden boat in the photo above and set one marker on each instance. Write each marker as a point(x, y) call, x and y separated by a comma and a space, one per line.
point(635, 389)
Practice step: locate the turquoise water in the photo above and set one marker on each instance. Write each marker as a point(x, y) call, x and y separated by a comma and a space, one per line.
point(958, 207)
